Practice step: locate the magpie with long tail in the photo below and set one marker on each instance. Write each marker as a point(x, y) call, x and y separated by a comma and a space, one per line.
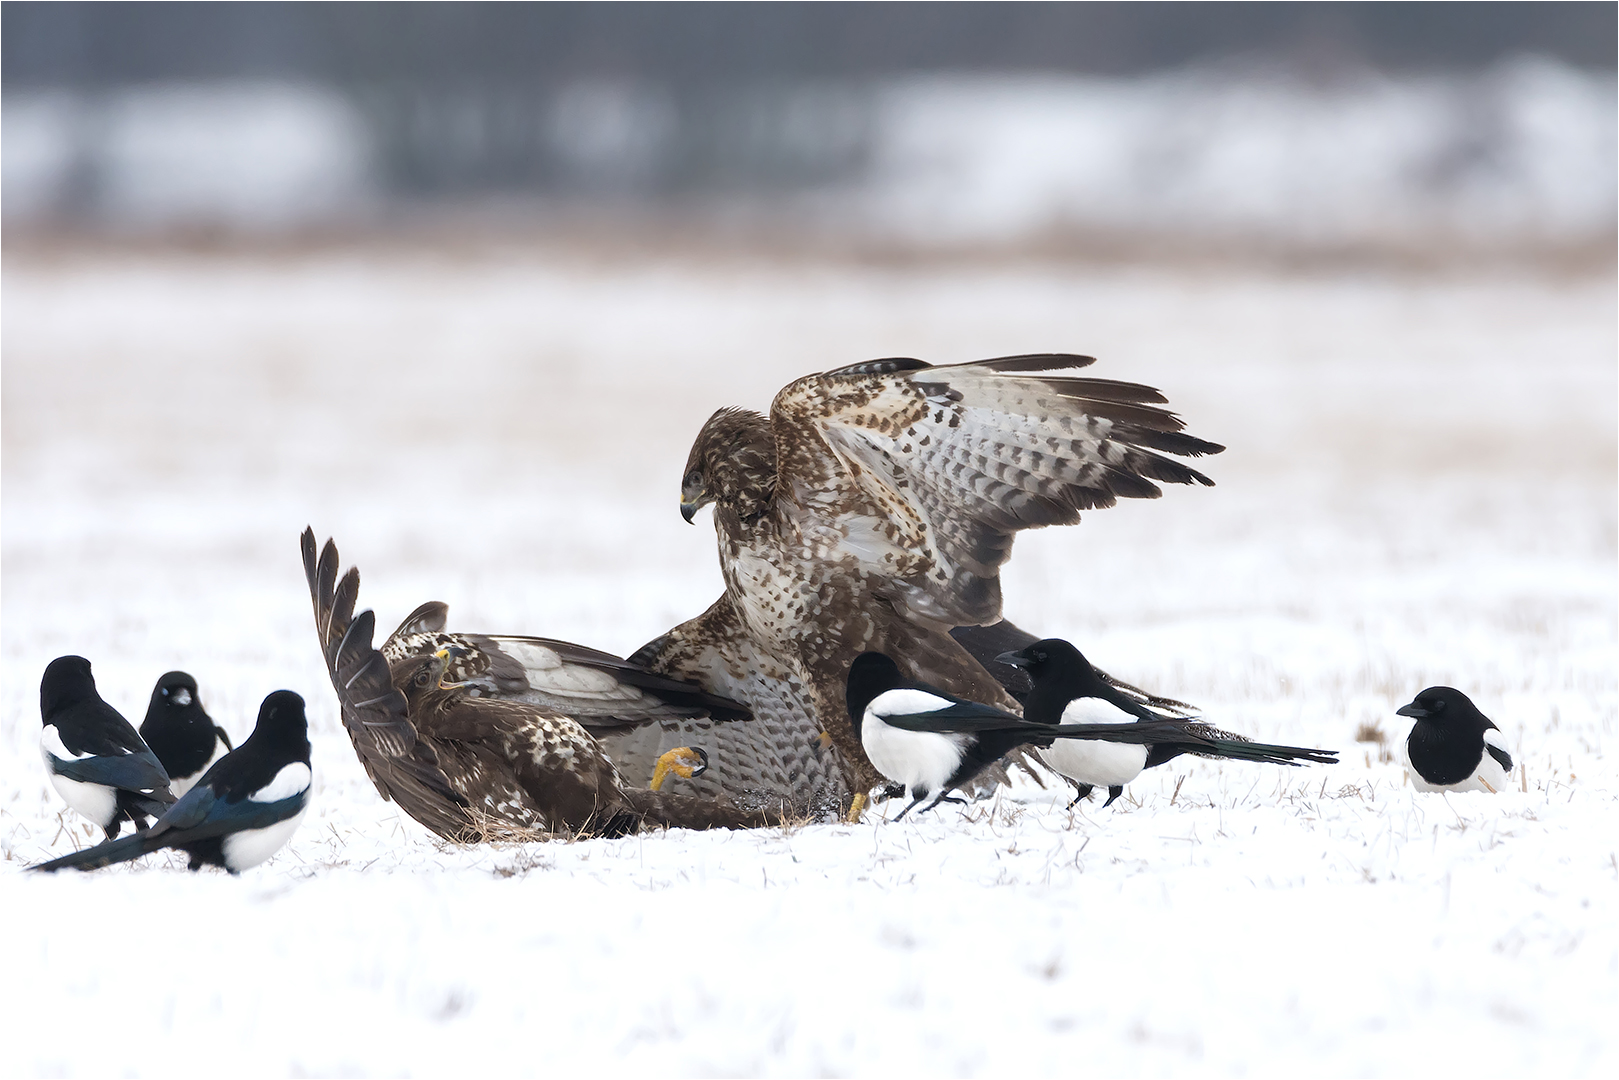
point(1453, 746)
point(240, 813)
point(932, 741)
point(181, 733)
point(95, 758)
point(1066, 689)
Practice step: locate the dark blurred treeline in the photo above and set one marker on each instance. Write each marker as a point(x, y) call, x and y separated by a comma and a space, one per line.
point(1301, 124)
point(697, 44)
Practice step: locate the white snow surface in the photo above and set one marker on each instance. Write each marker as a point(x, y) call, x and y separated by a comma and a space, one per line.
point(1420, 489)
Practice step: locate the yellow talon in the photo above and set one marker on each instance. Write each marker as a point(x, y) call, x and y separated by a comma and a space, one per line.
point(823, 741)
point(684, 761)
point(857, 806)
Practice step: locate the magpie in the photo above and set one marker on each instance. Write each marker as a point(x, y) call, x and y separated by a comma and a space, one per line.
point(1066, 689)
point(932, 742)
point(242, 810)
point(95, 758)
point(182, 735)
point(1453, 746)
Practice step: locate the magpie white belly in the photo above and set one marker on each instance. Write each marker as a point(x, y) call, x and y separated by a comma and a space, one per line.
point(248, 848)
point(1093, 761)
point(182, 784)
point(97, 802)
point(923, 761)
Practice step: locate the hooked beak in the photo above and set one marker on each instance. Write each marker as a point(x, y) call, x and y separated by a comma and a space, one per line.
point(446, 654)
point(1013, 659)
point(688, 510)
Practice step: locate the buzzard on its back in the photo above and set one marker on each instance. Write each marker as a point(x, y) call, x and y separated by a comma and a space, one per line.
point(473, 741)
point(872, 510)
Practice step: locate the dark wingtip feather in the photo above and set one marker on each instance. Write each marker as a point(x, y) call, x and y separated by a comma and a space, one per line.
point(1026, 362)
point(428, 618)
point(888, 365)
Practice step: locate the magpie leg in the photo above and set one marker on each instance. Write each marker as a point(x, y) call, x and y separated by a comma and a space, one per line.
point(1081, 792)
point(948, 798)
point(1113, 792)
point(912, 803)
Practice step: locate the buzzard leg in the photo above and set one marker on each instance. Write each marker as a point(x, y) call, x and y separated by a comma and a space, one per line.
point(684, 761)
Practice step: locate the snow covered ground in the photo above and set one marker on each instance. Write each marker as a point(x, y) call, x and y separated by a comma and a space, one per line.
point(1420, 488)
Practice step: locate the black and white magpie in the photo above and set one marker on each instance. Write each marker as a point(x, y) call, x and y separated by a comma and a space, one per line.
point(95, 758)
point(931, 741)
point(1453, 746)
point(1067, 690)
point(242, 810)
point(182, 735)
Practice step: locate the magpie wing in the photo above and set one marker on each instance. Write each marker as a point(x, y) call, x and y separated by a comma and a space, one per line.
point(1493, 743)
point(962, 717)
point(210, 816)
point(129, 772)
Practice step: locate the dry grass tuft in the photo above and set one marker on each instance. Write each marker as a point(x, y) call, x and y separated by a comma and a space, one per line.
point(489, 829)
point(1371, 731)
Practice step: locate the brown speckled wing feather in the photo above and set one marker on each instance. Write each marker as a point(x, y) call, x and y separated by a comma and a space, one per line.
point(954, 460)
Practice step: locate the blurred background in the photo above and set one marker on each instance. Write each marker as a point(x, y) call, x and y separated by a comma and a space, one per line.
point(1106, 128)
point(457, 285)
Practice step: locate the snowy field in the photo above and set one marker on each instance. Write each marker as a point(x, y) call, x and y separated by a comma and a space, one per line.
point(1420, 489)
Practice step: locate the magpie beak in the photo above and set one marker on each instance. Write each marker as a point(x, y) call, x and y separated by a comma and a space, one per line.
point(1413, 710)
point(1013, 659)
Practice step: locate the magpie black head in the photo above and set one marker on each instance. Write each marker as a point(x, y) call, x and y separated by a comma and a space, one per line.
point(872, 673)
point(1445, 707)
point(1059, 673)
point(67, 682)
point(175, 690)
point(179, 730)
point(282, 725)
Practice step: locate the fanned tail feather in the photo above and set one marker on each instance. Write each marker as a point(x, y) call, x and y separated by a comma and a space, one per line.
point(403, 769)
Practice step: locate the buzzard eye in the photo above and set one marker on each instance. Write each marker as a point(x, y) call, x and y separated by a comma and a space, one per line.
point(693, 479)
point(423, 678)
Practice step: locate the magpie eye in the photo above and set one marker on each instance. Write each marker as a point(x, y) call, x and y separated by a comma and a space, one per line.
point(1437, 705)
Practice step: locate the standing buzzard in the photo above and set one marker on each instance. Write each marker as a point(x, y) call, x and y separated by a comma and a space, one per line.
point(872, 510)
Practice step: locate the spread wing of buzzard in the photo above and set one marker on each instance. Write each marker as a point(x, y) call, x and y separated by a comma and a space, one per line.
point(474, 735)
point(873, 509)
point(956, 460)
